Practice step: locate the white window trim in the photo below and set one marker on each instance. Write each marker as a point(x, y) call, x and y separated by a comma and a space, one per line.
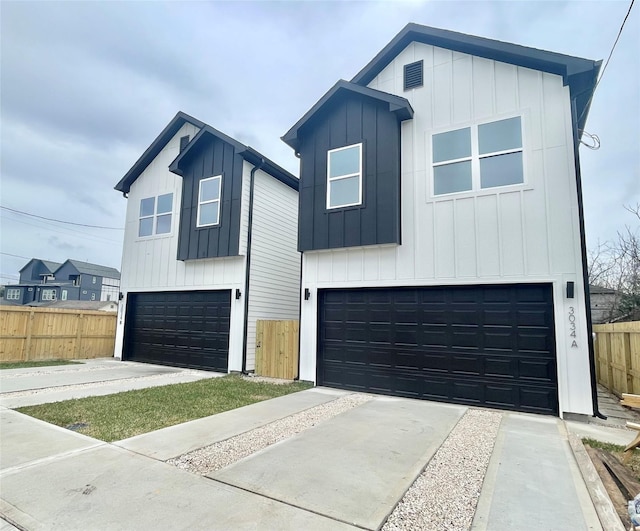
point(200, 203)
point(51, 295)
point(155, 216)
point(475, 158)
point(345, 176)
point(12, 294)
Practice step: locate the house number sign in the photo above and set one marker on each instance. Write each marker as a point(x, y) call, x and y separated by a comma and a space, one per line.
point(572, 327)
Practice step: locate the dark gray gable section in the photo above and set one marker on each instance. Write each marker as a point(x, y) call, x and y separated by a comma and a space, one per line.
point(156, 146)
point(350, 117)
point(394, 104)
point(579, 74)
point(209, 154)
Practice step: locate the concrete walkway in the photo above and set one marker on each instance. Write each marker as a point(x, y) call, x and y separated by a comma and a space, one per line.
point(97, 377)
point(350, 470)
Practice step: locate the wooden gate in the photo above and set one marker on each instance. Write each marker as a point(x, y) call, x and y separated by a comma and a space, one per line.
point(277, 349)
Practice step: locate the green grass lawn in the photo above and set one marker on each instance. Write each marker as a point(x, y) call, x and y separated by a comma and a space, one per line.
point(114, 417)
point(39, 363)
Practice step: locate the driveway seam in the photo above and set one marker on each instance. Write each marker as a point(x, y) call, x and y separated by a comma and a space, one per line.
point(43, 460)
point(306, 509)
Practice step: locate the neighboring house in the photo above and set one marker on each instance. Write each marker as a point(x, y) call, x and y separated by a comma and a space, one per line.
point(603, 304)
point(209, 248)
point(441, 226)
point(45, 281)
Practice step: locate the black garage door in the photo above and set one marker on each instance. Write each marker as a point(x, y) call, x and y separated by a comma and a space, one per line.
point(478, 345)
point(180, 328)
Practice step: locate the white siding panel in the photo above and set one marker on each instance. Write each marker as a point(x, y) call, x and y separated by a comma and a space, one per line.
point(274, 283)
point(561, 237)
point(462, 89)
point(465, 238)
point(488, 236)
point(535, 233)
point(512, 236)
point(355, 259)
point(483, 88)
point(554, 111)
point(371, 264)
point(506, 83)
point(530, 97)
point(445, 239)
point(442, 96)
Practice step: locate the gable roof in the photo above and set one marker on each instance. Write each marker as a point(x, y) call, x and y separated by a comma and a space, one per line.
point(397, 104)
point(87, 268)
point(156, 147)
point(579, 74)
point(246, 152)
point(51, 266)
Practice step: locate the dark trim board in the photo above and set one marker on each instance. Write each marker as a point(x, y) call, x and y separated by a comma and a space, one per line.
point(179, 328)
point(483, 345)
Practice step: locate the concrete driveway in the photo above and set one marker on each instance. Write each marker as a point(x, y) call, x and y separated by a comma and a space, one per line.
point(346, 472)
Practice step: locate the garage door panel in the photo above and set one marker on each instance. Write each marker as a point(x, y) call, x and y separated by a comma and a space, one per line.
point(185, 329)
point(490, 345)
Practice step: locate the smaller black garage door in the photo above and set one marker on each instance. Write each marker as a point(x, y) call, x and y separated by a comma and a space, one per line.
point(480, 345)
point(179, 328)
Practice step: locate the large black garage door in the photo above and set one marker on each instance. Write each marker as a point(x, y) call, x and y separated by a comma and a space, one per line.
point(181, 328)
point(478, 345)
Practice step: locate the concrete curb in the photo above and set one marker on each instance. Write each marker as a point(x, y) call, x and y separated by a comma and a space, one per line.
point(601, 501)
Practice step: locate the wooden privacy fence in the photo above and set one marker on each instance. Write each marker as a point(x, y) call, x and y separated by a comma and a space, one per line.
point(277, 349)
point(617, 349)
point(28, 334)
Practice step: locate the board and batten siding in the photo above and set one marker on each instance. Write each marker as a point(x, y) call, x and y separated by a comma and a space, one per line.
point(151, 264)
point(275, 262)
point(521, 233)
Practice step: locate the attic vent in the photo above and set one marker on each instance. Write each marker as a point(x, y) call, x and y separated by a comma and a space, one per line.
point(413, 75)
point(184, 140)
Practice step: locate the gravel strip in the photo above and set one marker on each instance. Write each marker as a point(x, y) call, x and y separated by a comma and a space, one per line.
point(224, 453)
point(445, 495)
point(30, 392)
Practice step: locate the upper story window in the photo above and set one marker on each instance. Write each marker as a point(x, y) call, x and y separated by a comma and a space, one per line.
point(155, 215)
point(344, 176)
point(13, 294)
point(413, 75)
point(478, 157)
point(48, 294)
point(209, 201)
point(93, 280)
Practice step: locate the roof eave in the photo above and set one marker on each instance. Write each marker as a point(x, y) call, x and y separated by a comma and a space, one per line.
point(397, 104)
point(154, 148)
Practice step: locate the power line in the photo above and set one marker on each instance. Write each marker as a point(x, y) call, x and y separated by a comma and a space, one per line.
point(608, 59)
point(58, 220)
point(16, 256)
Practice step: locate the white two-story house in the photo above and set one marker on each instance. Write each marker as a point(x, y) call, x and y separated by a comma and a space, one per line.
point(440, 221)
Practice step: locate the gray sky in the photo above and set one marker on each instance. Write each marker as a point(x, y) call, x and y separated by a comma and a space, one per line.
point(87, 86)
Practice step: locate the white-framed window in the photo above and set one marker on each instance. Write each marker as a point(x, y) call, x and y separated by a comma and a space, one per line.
point(209, 193)
point(12, 294)
point(63, 295)
point(155, 215)
point(48, 294)
point(93, 281)
point(344, 176)
point(93, 296)
point(478, 157)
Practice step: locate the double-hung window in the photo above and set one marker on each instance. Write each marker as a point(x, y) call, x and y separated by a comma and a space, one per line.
point(48, 294)
point(13, 294)
point(478, 157)
point(209, 201)
point(344, 176)
point(155, 215)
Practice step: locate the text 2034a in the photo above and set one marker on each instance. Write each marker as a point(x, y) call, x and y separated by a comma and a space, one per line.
point(572, 327)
